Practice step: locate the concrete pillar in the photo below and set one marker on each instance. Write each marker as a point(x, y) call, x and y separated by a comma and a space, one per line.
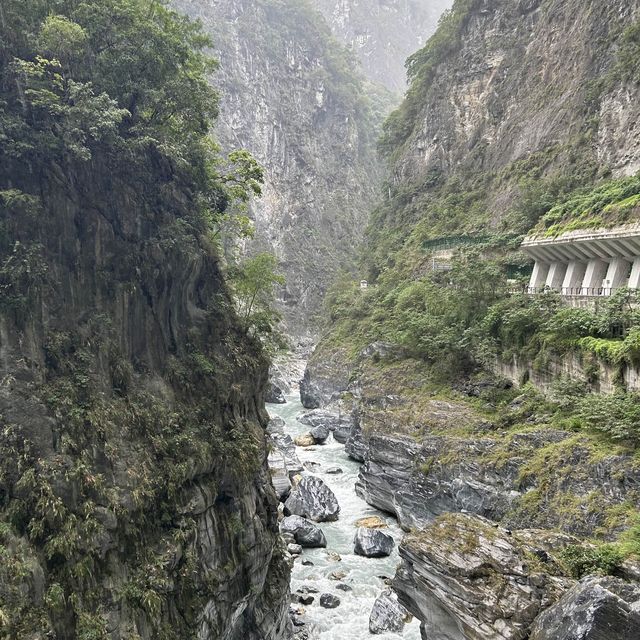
point(539, 275)
point(634, 280)
point(617, 274)
point(593, 277)
point(556, 274)
point(573, 278)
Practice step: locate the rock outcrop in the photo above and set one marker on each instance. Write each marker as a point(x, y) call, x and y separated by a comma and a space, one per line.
point(306, 533)
point(597, 608)
point(466, 578)
point(313, 499)
point(372, 543)
point(388, 614)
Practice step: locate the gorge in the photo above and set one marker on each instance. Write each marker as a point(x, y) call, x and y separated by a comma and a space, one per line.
point(441, 450)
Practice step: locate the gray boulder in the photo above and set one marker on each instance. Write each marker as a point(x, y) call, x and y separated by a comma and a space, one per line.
point(305, 533)
point(597, 608)
point(312, 499)
point(287, 447)
point(320, 434)
point(329, 601)
point(276, 425)
point(388, 614)
point(372, 543)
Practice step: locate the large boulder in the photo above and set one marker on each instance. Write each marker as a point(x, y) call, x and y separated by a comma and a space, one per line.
point(320, 434)
point(341, 434)
point(597, 608)
point(372, 543)
point(313, 499)
point(388, 614)
point(305, 533)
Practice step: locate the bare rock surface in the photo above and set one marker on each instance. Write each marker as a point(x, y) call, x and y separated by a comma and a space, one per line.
point(313, 499)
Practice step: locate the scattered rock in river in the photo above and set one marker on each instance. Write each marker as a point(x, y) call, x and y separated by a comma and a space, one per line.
point(329, 601)
point(333, 556)
point(294, 549)
point(276, 425)
point(320, 434)
point(312, 466)
point(334, 471)
point(306, 599)
point(344, 587)
point(307, 563)
point(371, 522)
point(597, 608)
point(372, 543)
point(337, 575)
point(305, 440)
point(313, 499)
point(388, 614)
point(304, 532)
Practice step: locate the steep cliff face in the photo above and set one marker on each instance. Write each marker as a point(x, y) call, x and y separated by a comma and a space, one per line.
point(135, 500)
point(383, 33)
point(290, 96)
point(511, 104)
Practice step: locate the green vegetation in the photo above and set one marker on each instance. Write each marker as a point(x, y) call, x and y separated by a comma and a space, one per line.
point(583, 560)
point(253, 283)
point(612, 203)
point(139, 378)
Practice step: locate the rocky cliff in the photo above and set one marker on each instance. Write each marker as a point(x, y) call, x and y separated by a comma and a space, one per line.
point(383, 33)
point(292, 97)
point(135, 500)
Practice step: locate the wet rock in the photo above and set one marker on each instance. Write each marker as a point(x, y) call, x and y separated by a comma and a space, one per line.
point(372, 543)
point(305, 533)
point(330, 420)
point(388, 614)
point(333, 556)
point(289, 538)
point(306, 440)
point(329, 601)
point(320, 434)
point(306, 599)
point(597, 608)
point(371, 522)
point(344, 587)
point(312, 466)
point(334, 471)
point(313, 499)
point(466, 578)
point(275, 394)
point(307, 563)
point(294, 549)
point(337, 575)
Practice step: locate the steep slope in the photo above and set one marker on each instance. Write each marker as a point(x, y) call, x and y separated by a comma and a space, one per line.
point(290, 96)
point(383, 33)
point(512, 106)
point(134, 497)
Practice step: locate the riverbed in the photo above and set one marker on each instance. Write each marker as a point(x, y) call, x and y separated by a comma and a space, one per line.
point(365, 576)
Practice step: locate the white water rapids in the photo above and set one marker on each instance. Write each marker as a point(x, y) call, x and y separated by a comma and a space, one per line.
point(349, 621)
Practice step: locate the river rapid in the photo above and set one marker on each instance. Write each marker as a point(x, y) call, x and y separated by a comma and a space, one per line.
point(365, 576)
